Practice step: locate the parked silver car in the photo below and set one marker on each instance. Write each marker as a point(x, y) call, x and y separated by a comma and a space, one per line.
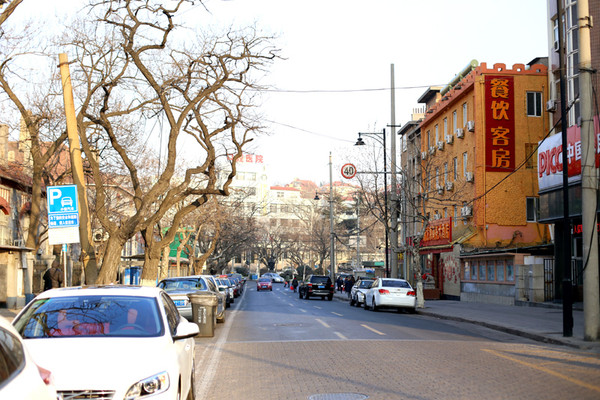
point(179, 287)
point(357, 294)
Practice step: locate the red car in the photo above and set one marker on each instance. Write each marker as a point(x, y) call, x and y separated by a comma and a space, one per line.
point(264, 284)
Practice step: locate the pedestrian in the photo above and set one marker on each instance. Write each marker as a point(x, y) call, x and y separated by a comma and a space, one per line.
point(348, 285)
point(295, 284)
point(53, 277)
point(340, 284)
point(286, 283)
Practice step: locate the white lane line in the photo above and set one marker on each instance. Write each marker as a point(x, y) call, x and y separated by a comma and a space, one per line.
point(291, 305)
point(341, 336)
point(318, 308)
point(372, 330)
point(339, 315)
point(302, 310)
point(323, 323)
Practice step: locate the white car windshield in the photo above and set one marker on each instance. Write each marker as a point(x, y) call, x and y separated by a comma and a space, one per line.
point(107, 316)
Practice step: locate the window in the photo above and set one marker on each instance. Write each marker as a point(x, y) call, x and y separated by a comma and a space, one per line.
point(437, 134)
point(533, 209)
point(495, 270)
point(454, 121)
point(12, 356)
point(445, 127)
point(428, 140)
point(455, 168)
point(455, 215)
point(437, 177)
point(445, 173)
point(465, 159)
point(280, 194)
point(273, 208)
point(464, 112)
point(534, 104)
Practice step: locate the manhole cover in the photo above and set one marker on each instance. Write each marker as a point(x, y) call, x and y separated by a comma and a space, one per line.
point(338, 396)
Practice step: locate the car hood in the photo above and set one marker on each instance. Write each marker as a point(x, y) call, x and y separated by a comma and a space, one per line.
point(102, 363)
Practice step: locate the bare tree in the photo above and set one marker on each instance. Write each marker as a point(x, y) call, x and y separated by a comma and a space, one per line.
point(130, 71)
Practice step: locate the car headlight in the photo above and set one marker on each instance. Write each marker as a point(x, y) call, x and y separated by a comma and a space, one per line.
point(149, 386)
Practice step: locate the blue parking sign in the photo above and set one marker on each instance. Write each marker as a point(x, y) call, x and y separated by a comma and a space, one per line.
point(63, 207)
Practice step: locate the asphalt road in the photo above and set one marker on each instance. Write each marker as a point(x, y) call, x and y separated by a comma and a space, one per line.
point(277, 346)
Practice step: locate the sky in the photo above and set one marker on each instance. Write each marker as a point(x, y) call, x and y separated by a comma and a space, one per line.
point(335, 78)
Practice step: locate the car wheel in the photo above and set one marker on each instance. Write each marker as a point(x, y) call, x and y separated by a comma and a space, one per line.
point(306, 295)
point(330, 297)
point(271, 289)
point(373, 305)
point(366, 307)
point(352, 301)
point(299, 294)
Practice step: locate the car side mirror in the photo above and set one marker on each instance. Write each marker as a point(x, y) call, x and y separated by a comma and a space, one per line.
point(185, 330)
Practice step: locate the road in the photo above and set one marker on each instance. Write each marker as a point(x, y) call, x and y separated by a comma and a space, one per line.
point(277, 346)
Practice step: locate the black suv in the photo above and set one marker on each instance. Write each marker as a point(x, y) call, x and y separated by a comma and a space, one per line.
point(316, 285)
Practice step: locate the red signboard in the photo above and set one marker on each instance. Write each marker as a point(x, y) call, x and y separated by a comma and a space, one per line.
point(438, 232)
point(500, 124)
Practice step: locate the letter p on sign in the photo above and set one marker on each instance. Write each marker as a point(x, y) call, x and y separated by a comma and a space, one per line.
point(53, 194)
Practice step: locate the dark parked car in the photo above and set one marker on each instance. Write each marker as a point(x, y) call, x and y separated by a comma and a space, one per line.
point(316, 285)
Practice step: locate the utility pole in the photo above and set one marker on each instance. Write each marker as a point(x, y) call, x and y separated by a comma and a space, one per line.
point(331, 234)
point(589, 179)
point(567, 284)
point(88, 255)
point(394, 193)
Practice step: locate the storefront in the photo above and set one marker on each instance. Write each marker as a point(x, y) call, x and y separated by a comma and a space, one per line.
point(440, 264)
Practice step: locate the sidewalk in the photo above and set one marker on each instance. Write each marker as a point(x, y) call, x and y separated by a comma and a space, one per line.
point(543, 324)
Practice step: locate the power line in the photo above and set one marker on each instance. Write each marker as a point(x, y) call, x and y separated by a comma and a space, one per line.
point(309, 91)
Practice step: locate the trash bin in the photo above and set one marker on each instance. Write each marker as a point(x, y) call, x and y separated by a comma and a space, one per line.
point(204, 311)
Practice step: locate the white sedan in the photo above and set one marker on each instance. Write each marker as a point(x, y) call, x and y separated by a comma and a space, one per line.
point(20, 377)
point(390, 293)
point(120, 342)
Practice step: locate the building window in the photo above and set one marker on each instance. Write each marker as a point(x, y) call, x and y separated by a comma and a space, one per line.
point(454, 121)
point(534, 104)
point(455, 215)
point(455, 168)
point(445, 173)
point(428, 140)
point(437, 177)
point(485, 270)
point(445, 127)
point(273, 208)
point(252, 191)
point(437, 134)
point(280, 195)
point(465, 159)
point(533, 209)
point(465, 116)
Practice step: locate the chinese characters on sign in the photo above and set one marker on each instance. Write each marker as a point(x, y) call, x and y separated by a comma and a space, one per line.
point(438, 232)
point(500, 124)
point(248, 158)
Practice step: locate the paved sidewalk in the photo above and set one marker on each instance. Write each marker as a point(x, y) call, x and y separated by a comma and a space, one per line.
point(543, 324)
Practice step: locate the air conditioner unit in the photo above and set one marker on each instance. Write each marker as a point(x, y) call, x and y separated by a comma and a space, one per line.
point(551, 106)
point(440, 145)
point(471, 126)
point(432, 150)
point(449, 139)
point(437, 216)
point(440, 189)
point(100, 235)
point(469, 176)
point(466, 211)
point(423, 155)
point(449, 185)
point(460, 133)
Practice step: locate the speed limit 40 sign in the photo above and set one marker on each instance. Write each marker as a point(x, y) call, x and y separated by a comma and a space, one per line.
point(348, 171)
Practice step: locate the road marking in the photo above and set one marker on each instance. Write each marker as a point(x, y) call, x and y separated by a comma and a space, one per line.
point(339, 315)
point(372, 330)
point(323, 323)
point(341, 336)
point(302, 310)
point(291, 305)
point(317, 307)
point(546, 370)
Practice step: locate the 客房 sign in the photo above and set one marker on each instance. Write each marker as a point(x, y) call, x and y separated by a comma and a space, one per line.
point(550, 165)
point(500, 124)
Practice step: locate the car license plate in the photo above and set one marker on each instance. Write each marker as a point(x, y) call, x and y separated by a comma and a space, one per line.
point(321, 286)
point(179, 303)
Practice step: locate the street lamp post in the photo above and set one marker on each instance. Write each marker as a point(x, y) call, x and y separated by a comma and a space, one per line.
point(331, 232)
point(360, 142)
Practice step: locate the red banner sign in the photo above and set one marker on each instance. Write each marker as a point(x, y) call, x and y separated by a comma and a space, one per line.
point(438, 232)
point(500, 124)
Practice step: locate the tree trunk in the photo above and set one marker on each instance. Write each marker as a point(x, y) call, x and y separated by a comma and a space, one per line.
point(111, 261)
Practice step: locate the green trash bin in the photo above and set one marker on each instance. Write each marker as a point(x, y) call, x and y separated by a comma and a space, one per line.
point(204, 310)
